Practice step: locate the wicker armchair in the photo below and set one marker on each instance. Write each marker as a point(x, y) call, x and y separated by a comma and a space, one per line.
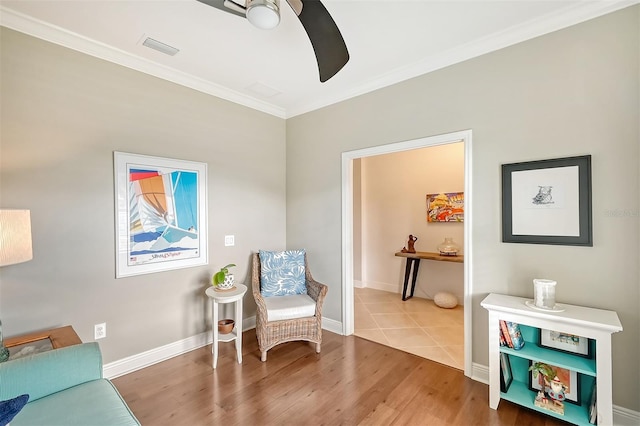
point(272, 333)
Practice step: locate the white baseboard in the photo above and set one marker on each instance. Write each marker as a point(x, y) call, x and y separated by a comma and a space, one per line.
point(154, 356)
point(332, 325)
point(163, 353)
point(625, 417)
point(480, 373)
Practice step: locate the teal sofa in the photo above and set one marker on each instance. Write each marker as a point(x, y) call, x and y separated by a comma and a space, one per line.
point(65, 387)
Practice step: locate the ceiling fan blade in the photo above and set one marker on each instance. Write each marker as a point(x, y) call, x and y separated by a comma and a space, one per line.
point(226, 6)
point(328, 44)
point(296, 5)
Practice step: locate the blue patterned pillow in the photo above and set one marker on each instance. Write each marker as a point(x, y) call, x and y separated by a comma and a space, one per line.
point(11, 407)
point(282, 273)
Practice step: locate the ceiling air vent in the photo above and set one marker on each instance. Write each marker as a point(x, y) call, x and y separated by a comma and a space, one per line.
point(160, 47)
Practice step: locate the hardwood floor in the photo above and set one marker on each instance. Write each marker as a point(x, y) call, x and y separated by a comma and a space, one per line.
point(352, 382)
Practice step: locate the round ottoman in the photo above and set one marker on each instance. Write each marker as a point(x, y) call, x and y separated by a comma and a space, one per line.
point(445, 300)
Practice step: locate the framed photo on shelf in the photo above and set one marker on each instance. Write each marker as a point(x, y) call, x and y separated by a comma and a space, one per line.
point(569, 378)
point(506, 376)
point(564, 342)
point(547, 202)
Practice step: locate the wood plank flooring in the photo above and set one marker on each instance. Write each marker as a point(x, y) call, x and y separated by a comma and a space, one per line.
point(352, 382)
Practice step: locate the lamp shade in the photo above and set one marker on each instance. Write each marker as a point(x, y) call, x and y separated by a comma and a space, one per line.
point(15, 237)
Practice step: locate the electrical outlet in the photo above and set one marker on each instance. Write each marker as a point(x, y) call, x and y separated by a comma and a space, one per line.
point(229, 240)
point(100, 331)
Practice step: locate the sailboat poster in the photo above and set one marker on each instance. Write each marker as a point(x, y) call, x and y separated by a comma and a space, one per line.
point(161, 214)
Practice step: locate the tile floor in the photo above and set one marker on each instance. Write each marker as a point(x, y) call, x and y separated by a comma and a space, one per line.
point(416, 325)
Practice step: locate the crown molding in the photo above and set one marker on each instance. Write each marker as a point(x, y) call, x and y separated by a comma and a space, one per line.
point(567, 17)
point(54, 34)
point(555, 21)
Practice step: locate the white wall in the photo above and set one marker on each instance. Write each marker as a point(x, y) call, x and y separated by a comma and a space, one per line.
point(571, 92)
point(62, 115)
point(394, 188)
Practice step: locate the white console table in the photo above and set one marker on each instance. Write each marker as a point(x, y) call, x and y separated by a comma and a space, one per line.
point(596, 324)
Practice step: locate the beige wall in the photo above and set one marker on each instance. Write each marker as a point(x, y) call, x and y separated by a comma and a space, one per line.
point(394, 188)
point(571, 92)
point(63, 114)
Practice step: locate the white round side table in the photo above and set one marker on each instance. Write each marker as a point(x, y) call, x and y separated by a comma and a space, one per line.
point(227, 296)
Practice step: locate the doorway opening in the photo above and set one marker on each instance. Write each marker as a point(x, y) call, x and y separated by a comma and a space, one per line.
point(348, 160)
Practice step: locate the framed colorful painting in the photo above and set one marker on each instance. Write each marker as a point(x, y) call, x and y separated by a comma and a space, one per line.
point(161, 214)
point(445, 207)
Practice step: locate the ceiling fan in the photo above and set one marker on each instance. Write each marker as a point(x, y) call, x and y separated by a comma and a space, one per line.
point(328, 44)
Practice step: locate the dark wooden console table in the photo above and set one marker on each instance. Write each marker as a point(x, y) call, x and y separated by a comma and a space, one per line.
point(414, 259)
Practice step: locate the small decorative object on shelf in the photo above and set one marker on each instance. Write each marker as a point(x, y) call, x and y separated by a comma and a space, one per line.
point(510, 334)
point(548, 382)
point(448, 247)
point(544, 293)
point(225, 326)
point(223, 280)
point(556, 391)
point(410, 247)
point(543, 402)
point(515, 334)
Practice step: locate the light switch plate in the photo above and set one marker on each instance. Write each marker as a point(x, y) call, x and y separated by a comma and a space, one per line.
point(229, 240)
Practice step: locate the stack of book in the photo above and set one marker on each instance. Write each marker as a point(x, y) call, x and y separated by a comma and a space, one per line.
point(510, 335)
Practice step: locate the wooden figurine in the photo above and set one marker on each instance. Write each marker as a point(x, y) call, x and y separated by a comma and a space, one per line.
point(410, 245)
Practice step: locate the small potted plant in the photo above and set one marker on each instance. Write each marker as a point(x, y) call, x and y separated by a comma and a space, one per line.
point(223, 279)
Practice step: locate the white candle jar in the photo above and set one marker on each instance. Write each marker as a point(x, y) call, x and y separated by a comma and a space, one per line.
point(544, 293)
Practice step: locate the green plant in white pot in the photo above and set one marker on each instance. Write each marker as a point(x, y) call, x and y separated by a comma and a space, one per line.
point(223, 279)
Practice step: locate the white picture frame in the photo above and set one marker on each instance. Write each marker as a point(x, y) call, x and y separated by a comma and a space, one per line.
point(160, 214)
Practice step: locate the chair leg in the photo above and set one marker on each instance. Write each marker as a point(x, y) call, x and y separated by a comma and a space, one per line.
point(263, 357)
point(317, 347)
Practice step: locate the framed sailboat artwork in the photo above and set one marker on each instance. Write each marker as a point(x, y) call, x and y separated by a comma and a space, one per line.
point(161, 214)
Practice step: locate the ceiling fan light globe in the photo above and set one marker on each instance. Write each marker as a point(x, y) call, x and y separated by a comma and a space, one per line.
point(264, 14)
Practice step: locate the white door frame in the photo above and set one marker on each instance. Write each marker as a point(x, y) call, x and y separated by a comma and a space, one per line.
point(347, 226)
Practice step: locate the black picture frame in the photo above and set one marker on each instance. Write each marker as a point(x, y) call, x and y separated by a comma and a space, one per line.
point(564, 342)
point(532, 217)
point(506, 376)
point(574, 396)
